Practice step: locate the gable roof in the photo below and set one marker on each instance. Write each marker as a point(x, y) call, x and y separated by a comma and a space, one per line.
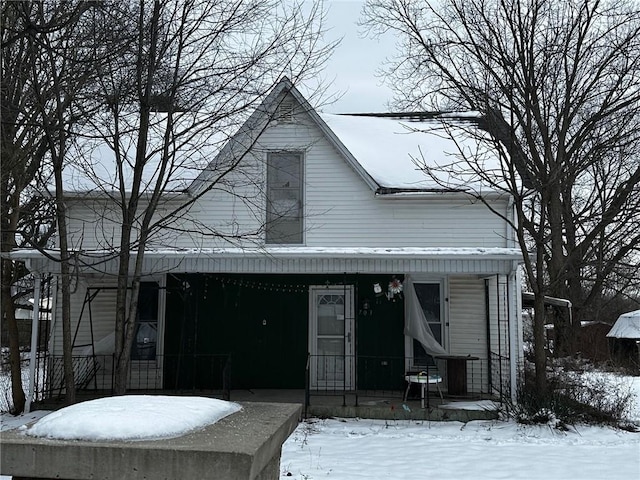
point(247, 135)
point(385, 149)
point(392, 148)
point(92, 166)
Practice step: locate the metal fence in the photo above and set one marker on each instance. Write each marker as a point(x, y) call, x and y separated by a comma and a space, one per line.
point(346, 376)
point(500, 384)
point(356, 376)
point(171, 373)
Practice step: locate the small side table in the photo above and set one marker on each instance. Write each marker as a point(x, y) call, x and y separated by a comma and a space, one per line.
point(457, 373)
point(423, 381)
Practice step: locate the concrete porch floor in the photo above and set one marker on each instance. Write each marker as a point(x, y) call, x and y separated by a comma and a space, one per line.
point(388, 407)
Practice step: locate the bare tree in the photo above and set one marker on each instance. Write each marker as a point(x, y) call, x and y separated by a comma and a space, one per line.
point(27, 217)
point(557, 83)
point(14, 170)
point(189, 72)
point(48, 48)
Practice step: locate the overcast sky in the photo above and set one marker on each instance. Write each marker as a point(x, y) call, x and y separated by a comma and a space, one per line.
point(354, 63)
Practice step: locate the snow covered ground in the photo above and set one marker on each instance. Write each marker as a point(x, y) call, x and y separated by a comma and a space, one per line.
point(351, 449)
point(376, 449)
point(5, 379)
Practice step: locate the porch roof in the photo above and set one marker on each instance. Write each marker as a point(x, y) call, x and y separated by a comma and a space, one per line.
point(296, 260)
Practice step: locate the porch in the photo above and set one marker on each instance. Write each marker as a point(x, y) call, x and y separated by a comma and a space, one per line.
point(386, 398)
point(377, 405)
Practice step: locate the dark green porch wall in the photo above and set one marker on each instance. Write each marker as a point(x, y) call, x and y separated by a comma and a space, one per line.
point(380, 333)
point(262, 322)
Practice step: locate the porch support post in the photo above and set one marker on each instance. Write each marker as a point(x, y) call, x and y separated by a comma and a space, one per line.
point(487, 314)
point(35, 320)
point(514, 322)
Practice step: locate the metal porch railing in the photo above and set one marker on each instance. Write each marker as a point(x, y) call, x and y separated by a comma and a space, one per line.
point(169, 373)
point(357, 376)
point(500, 385)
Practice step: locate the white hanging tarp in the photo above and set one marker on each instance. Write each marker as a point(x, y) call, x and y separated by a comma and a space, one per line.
point(416, 325)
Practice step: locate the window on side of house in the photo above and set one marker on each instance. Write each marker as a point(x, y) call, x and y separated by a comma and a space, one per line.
point(146, 334)
point(430, 298)
point(284, 222)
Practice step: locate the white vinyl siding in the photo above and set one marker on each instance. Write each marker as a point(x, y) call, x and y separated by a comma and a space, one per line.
point(468, 327)
point(93, 225)
point(97, 224)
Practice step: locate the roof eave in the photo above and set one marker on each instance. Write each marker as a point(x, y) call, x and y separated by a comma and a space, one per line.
point(397, 193)
point(488, 253)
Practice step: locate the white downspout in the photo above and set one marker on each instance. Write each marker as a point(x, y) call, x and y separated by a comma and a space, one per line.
point(34, 343)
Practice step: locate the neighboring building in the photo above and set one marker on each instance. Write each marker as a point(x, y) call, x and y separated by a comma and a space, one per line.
point(624, 339)
point(360, 264)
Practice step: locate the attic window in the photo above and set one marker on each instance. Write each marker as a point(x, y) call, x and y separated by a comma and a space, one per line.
point(284, 198)
point(284, 112)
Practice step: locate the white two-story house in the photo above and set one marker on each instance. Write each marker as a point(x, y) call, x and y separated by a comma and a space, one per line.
point(360, 267)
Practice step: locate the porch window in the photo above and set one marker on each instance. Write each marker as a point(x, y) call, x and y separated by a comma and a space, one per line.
point(284, 198)
point(146, 334)
point(428, 295)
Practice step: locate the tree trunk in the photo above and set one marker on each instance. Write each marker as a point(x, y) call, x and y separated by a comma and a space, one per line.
point(539, 338)
point(125, 320)
point(65, 288)
point(121, 355)
point(537, 281)
point(8, 310)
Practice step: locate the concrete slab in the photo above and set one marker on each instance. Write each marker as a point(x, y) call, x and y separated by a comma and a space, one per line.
point(400, 411)
point(243, 446)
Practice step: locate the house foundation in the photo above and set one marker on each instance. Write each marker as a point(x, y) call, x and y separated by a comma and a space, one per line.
point(243, 446)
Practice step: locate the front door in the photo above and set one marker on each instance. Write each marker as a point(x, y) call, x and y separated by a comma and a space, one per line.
point(331, 339)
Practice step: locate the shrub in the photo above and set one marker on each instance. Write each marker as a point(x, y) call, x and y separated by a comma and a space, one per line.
point(581, 396)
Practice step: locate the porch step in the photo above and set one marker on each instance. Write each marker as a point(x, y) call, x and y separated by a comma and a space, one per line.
point(400, 411)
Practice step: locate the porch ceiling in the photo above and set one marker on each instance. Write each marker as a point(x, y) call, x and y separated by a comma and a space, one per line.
point(297, 260)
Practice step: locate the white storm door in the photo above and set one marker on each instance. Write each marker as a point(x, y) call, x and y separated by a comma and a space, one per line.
point(331, 340)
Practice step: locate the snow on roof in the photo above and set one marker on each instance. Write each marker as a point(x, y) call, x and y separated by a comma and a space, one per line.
point(528, 299)
point(627, 326)
point(347, 251)
point(388, 147)
point(296, 252)
point(92, 160)
point(391, 148)
point(132, 417)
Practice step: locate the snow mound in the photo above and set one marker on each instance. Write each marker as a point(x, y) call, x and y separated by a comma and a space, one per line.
point(132, 417)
